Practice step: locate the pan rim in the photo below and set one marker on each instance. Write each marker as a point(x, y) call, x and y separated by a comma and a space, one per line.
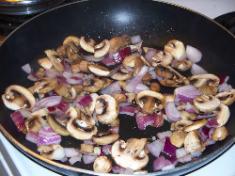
point(186, 168)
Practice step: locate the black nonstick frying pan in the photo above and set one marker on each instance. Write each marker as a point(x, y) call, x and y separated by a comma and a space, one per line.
point(156, 22)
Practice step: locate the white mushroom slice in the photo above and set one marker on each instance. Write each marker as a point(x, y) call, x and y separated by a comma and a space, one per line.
point(206, 103)
point(55, 60)
point(52, 152)
point(220, 133)
point(106, 109)
point(102, 49)
point(105, 139)
point(102, 164)
point(192, 143)
point(17, 97)
point(196, 125)
point(222, 115)
point(121, 76)
point(45, 63)
point(150, 100)
point(86, 148)
point(79, 127)
point(227, 97)
point(182, 65)
point(181, 124)
point(206, 83)
point(56, 126)
point(88, 46)
point(99, 70)
point(71, 39)
point(177, 138)
point(130, 154)
point(176, 49)
point(162, 57)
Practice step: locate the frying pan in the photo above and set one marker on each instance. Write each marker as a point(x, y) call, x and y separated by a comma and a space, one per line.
point(156, 22)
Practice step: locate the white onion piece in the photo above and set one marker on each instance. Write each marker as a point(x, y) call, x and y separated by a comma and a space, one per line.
point(155, 147)
point(48, 102)
point(193, 54)
point(88, 159)
point(181, 152)
point(70, 152)
point(163, 135)
point(196, 70)
point(136, 39)
point(172, 112)
point(27, 68)
point(112, 88)
point(58, 153)
point(75, 159)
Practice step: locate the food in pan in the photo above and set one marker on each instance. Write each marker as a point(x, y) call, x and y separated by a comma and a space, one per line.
point(86, 89)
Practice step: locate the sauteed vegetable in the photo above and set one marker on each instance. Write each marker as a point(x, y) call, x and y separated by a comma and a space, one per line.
point(84, 88)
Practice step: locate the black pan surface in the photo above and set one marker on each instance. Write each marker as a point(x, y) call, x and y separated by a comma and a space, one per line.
point(156, 22)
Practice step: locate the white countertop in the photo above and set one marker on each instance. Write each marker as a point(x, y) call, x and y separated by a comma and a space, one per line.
point(222, 166)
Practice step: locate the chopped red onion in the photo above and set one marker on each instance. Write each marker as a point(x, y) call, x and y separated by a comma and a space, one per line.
point(70, 152)
point(114, 129)
point(119, 56)
point(108, 60)
point(73, 79)
point(160, 163)
point(141, 87)
point(190, 108)
point(120, 170)
point(212, 122)
point(169, 149)
point(92, 58)
point(144, 120)
point(186, 93)
point(106, 149)
point(63, 106)
point(48, 102)
point(112, 88)
point(88, 159)
point(181, 152)
point(136, 39)
point(193, 54)
point(75, 159)
point(63, 160)
point(204, 133)
point(85, 100)
point(18, 120)
point(185, 158)
point(127, 110)
point(32, 137)
point(132, 84)
point(150, 53)
point(172, 112)
point(206, 116)
point(224, 86)
point(32, 77)
point(155, 148)
point(196, 154)
point(50, 73)
point(163, 135)
point(196, 70)
point(47, 136)
point(27, 68)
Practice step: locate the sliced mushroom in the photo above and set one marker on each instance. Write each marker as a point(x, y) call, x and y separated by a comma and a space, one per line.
point(206, 83)
point(196, 125)
point(17, 97)
point(223, 114)
point(162, 57)
point(170, 77)
point(99, 70)
point(56, 126)
point(187, 116)
point(192, 143)
point(176, 49)
point(102, 164)
point(87, 45)
point(34, 124)
point(220, 133)
point(66, 91)
point(133, 61)
point(121, 76)
point(102, 49)
point(52, 152)
point(182, 65)
point(206, 103)
point(130, 154)
point(45, 63)
point(93, 85)
point(80, 127)
point(81, 66)
point(55, 60)
point(150, 101)
point(86, 148)
point(106, 109)
point(43, 86)
point(118, 42)
point(120, 98)
point(227, 97)
point(105, 138)
point(181, 124)
point(71, 39)
point(177, 138)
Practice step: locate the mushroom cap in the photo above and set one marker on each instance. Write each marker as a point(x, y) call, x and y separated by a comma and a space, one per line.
point(106, 109)
point(52, 152)
point(176, 49)
point(53, 58)
point(222, 115)
point(102, 164)
point(206, 103)
point(17, 102)
point(227, 97)
point(106, 139)
point(58, 128)
point(220, 133)
point(99, 70)
point(102, 49)
point(177, 138)
point(162, 57)
point(196, 125)
point(121, 76)
point(130, 154)
point(192, 142)
point(71, 39)
point(88, 46)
